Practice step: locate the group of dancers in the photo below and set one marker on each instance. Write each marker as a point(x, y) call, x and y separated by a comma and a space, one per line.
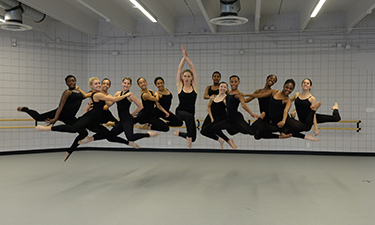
point(153, 110)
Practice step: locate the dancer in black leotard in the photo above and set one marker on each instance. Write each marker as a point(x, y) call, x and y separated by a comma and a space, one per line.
point(216, 112)
point(163, 106)
point(127, 119)
point(107, 117)
point(89, 120)
point(214, 88)
point(187, 85)
point(279, 106)
point(69, 105)
point(146, 116)
point(304, 100)
point(235, 121)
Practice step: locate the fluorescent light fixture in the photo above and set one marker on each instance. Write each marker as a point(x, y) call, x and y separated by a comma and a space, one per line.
point(143, 10)
point(317, 8)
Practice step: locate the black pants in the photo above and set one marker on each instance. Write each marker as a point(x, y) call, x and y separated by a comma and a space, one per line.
point(155, 122)
point(69, 120)
point(172, 120)
point(91, 122)
point(335, 117)
point(235, 124)
point(126, 126)
point(207, 125)
point(191, 128)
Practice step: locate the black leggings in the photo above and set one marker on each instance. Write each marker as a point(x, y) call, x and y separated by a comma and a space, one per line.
point(126, 126)
point(155, 122)
point(89, 121)
point(235, 124)
point(172, 120)
point(207, 125)
point(191, 128)
point(67, 120)
point(335, 117)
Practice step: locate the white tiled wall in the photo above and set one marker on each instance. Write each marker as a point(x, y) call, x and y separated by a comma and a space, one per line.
point(32, 74)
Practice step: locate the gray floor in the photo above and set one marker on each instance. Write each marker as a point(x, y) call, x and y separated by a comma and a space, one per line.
point(96, 187)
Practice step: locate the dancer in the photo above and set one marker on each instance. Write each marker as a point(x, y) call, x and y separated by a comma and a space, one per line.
point(107, 117)
point(127, 119)
point(187, 85)
point(164, 104)
point(235, 122)
point(69, 105)
point(89, 120)
point(279, 107)
point(304, 100)
point(146, 115)
point(266, 91)
point(214, 88)
point(217, 112)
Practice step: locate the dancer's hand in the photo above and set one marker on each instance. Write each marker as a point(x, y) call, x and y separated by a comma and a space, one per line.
point(50, 121)
point(281, 124)
point(184, 51)
point(255, 116)
point(167, 114)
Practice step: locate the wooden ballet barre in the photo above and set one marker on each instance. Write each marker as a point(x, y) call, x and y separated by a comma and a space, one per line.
point(17, 120)
point(17, 127)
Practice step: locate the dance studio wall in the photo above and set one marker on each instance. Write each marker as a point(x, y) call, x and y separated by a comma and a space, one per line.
point(32, 74)
point(338, 74)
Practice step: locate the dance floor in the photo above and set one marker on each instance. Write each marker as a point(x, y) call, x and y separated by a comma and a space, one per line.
point(186, 188)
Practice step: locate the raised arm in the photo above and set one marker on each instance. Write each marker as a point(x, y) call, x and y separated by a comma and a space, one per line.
point(179, 83)
point(268, 93)
point(192, 68)
point(65, 95)
point(85, 95)
point(149, 96)
point(293, 98)
point(100, 96)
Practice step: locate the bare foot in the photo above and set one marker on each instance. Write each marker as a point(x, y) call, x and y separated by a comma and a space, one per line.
point(315, 106)
point(293, 114)
point(177, 132)
point(153, 133)
point(282, 136)
point(221, 141)
point(231, 143)
point(86, 140)
point(262, 115)
point(67, 156)
point(189, 142)
point(145, 127)
point(133, 144)
point(20, 108)
point(309, 137)
point(335, 106)
point(42, 128)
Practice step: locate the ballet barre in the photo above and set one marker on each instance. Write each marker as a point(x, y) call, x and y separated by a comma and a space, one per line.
point(16, 127)
point(199, 125)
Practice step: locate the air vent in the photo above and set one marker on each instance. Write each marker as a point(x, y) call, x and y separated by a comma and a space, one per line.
point(229, 14)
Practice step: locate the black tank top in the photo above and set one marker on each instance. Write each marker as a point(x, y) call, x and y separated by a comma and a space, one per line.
point(218, 109)
point(97, 107)
point(148, 106)
point(232, 105)
point(123, 107)
point(165, 101)
point(276, 109)
point(212, 92)
point(263, 104)
point(72, 105)
point(303, 108)
point(187, 101)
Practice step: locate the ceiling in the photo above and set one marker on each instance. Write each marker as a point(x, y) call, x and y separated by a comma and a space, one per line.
point(173, 16)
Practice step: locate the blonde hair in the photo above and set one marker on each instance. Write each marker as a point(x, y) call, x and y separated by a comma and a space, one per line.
point(91, 81)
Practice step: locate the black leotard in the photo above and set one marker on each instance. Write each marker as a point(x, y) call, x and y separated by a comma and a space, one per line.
point(212, 92)
point(276, 109)
point(303, 108)
point(165, 101)
point(219, 113)
point(123, 107)
point(187, 101)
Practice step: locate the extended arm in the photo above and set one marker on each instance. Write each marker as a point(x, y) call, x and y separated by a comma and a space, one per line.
point(192, 68)
point(138, 103)
point(245, 107)
point(285, 114)
point(209, 108)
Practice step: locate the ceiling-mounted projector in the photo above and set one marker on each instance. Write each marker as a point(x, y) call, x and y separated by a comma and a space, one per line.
point(229, 14)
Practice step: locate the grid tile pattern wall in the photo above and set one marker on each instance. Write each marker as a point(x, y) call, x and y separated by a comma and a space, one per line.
point(32, 74)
